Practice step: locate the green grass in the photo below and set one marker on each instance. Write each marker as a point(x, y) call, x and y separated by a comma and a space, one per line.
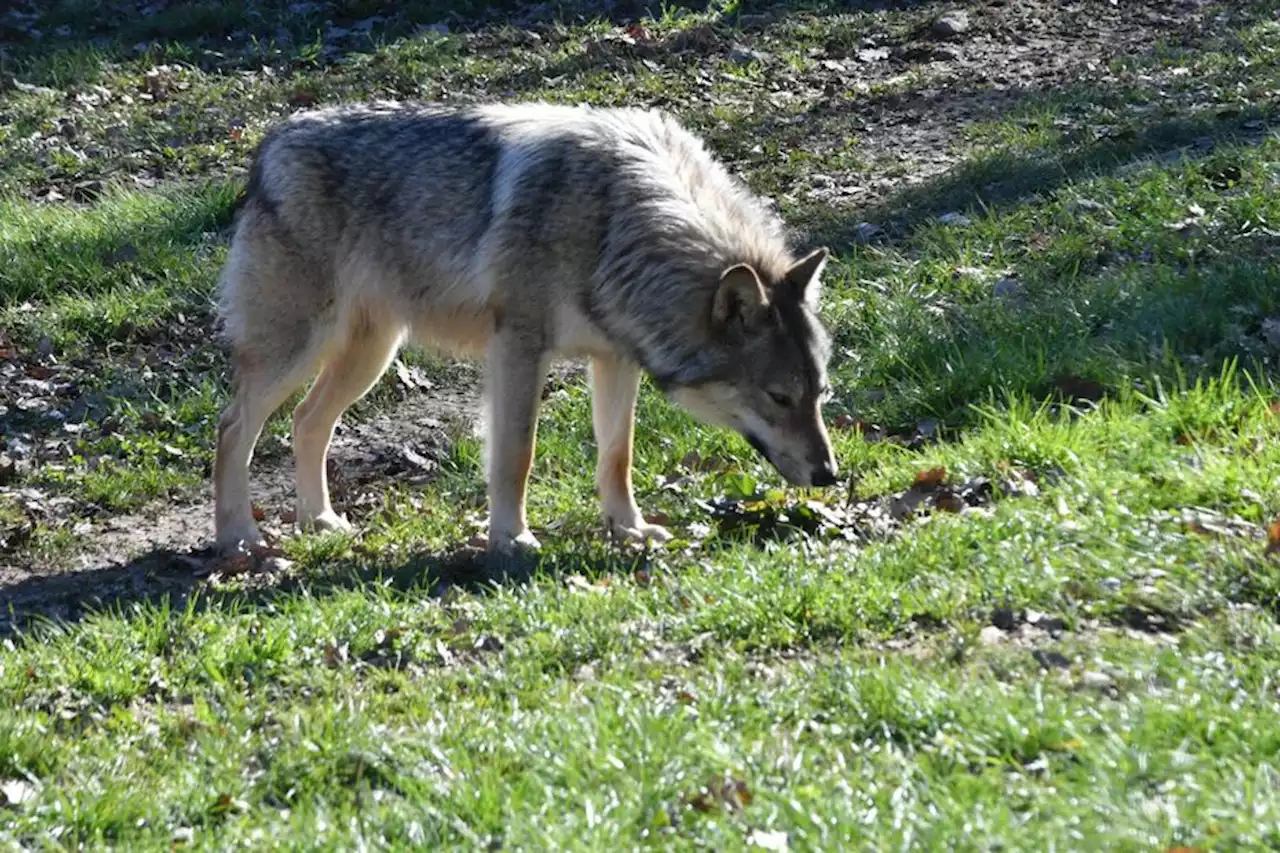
point(715, 694)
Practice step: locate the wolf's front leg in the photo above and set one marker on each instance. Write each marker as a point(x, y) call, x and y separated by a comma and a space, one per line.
point(614, 386)
point(517, 370)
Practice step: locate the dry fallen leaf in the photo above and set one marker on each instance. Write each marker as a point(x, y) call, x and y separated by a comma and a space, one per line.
point(335, 655)
point(931, 477)
point(733, 793)
point(1273, 538)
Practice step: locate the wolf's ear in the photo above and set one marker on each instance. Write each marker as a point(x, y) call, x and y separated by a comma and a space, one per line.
point(740, 297)
point(805, 276)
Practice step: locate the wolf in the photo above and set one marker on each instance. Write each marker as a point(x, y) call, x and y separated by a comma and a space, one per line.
point(516, 233)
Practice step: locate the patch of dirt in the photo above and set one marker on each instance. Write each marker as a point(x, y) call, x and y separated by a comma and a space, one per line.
point(148, 552)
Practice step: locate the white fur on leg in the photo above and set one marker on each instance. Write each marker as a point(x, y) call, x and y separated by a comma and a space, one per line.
point(514, 390)
point(233, 507)
point(614, 386)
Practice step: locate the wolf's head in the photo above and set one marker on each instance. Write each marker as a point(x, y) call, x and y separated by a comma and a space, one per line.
point(771, 376)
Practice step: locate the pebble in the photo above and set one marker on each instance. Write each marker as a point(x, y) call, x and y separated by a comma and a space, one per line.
point(1093, 678)
point(991, 636)
point(1008, 288)
point(951, 24)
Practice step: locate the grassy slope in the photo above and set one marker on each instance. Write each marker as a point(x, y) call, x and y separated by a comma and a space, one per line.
point(853, 691)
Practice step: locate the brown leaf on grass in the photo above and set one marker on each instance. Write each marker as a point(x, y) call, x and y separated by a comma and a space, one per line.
point(695, 461)
point(848, 422)
point(1273, 538)
point(732, 794)
point(336, 655)
point(227, 803)
point(156, 84)
point(302, 98)
point(931, 478)
point(950, 502)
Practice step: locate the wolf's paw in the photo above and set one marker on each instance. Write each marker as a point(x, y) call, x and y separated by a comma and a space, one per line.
point(511, 556)
point(240, 540)
point(638, 531)
point(511, 545)
point(327, 522)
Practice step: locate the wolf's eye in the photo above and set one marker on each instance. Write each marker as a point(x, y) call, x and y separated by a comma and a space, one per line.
point(781, 400)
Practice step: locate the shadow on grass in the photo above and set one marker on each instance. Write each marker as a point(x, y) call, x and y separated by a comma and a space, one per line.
point(161, 575)
point(65, 42)
point(1003, 179)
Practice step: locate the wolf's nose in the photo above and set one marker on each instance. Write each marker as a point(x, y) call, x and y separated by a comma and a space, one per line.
point(823, 475)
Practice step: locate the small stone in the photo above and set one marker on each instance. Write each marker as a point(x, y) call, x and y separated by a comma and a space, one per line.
point(743, 55)
point(953, 219)
point(865, 232)
point(1271, 331)
point(1086, 205)
point(17, 791)
point(1095, 679)
point(1045, 622)
point(1008, 288)
point(951, 24)
point(991, 636)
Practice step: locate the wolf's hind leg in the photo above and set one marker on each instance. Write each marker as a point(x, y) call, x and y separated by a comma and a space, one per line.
point(517, 372)
point(347, 375)
point(615, 383)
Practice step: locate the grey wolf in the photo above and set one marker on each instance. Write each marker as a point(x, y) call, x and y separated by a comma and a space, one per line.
point(517, 233)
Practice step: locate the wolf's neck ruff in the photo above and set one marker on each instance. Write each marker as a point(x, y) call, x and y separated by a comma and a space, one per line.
point(521, 233)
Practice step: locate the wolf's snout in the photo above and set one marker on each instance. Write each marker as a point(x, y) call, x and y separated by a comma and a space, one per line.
point(823, 475)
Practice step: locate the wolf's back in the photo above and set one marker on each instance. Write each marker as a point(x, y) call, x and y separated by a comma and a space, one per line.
point(620, 212)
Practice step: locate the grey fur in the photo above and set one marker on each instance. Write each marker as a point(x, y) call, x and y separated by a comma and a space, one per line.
point(523, 232)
